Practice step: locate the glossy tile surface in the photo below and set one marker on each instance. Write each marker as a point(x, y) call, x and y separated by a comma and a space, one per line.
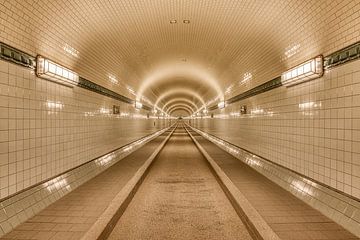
point(72, 215)
point(288, 216)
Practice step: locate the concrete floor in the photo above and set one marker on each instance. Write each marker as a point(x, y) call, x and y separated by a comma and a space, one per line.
point(180, 199)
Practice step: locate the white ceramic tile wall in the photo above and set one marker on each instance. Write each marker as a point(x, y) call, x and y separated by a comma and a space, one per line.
point(312, 128)
point(336, 206)
point(46, 128)
point(22, 206)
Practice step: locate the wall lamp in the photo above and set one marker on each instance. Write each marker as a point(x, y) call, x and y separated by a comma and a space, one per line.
point(138, 105)
point(306, 71)
point(221, 105)
point(49, 70)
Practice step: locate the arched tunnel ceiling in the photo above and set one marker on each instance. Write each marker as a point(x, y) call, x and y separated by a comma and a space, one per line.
point(227, 47)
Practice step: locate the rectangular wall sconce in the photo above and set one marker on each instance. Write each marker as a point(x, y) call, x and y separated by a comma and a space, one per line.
point(221, 104)
point(49, 70)
point(306, 71)
point(138, 105)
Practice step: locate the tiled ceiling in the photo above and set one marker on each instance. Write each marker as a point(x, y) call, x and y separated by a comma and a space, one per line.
point(228, 47)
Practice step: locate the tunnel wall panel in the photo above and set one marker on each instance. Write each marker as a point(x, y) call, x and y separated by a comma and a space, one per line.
point(312, 128)
point(47, 128)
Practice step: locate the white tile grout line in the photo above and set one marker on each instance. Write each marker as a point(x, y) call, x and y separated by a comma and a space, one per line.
point(325, 206)
point(259, 229)
point(103, 226)
point(78, 181)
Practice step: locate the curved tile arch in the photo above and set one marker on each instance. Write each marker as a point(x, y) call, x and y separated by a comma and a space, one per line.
point(175, 103)
point(179, 99)
point(185, 91)
point(172, 70)
point(180, 105)
point(182, 108)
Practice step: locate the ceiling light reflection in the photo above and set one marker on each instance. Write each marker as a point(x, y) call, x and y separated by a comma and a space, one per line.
point(69, 49)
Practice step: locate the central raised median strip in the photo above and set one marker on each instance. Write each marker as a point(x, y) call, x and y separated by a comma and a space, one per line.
point(256, 225)
point(107, 220)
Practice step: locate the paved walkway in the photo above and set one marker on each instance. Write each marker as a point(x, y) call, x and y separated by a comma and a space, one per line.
point(71, 216)
point(180, 199)
point(288, 216)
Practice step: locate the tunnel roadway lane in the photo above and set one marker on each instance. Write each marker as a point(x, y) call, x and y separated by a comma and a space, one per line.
point(180, 199)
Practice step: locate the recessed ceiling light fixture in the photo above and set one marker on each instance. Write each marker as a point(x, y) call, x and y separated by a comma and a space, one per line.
point(173, 21)
point(186, 21)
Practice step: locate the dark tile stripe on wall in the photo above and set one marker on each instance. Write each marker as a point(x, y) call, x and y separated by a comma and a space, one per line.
point(342, 56)
point(19, 57)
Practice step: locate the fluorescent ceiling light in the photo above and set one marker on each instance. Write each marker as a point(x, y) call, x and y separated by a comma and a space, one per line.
point(221, 104)
point(138, 105)
point(49, 70)
point(306, 71)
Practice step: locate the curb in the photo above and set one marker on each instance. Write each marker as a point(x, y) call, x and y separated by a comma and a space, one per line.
point(256, 225)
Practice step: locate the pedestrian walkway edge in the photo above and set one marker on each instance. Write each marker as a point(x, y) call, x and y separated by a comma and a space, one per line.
point(108, 219)
point(256, 225)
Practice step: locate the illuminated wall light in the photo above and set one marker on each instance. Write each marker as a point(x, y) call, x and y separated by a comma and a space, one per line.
point(138, 105)
point(304, 72)
point(221, 105)
point(69, 49)
point(49, 70)
point(173, 21)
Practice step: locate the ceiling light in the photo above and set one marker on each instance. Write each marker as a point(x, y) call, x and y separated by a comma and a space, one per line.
point(138, 105)
point(186, 21)
point(173, 21)
point(221, 104)
point(306, 71)
point(49, 70)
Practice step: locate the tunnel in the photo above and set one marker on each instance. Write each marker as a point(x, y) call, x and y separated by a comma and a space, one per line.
point(179, 119)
